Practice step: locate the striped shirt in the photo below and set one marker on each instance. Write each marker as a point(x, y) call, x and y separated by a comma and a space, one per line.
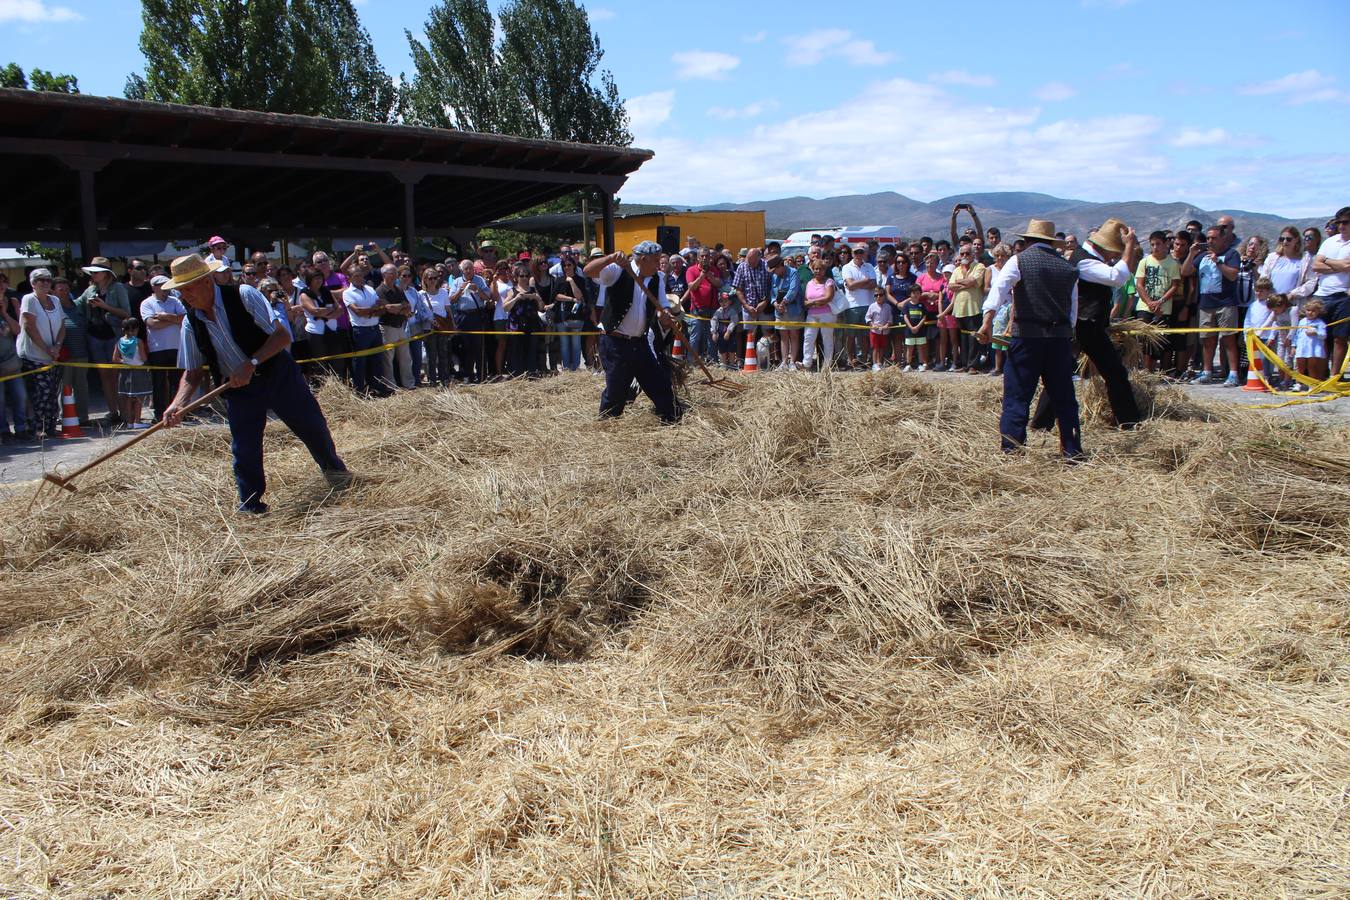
point(228, 352)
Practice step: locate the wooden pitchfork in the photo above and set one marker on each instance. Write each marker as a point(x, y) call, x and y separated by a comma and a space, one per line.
point(64, 481)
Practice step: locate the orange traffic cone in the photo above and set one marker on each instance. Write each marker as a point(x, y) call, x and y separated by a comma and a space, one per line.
point(70, 420)
point(677, 348)
point(751, 360)
point(1254, 382)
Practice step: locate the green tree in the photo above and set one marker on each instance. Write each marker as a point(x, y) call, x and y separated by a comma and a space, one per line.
point(42, 80)
point(311, 57)
point(456, 73)
point(540, 77)
point(12, 76)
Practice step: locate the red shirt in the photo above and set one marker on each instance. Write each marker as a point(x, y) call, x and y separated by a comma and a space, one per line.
point(702, 298)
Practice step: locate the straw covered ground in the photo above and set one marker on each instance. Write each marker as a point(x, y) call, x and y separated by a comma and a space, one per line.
point(817, 640)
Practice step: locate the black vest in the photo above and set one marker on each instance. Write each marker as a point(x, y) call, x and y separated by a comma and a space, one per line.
point(247, 334)
point(1043, 299)
point(619, 297)
point(1094, 300)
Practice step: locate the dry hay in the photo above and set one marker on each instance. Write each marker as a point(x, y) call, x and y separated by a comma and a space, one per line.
point(817, 640)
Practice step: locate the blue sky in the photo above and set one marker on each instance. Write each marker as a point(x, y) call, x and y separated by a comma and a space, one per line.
point(1241, 104)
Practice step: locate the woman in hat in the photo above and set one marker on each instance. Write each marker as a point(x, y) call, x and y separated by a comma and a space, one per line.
point(42, 330)
point(234, 332)
point(107, 303)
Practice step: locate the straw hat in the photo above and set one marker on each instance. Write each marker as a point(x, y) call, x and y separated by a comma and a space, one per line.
point(1108, 237)
point(97, 264)
point(1041, 230)
point(190, 268)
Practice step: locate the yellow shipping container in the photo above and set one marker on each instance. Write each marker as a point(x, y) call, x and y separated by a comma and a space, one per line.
point(732, 228)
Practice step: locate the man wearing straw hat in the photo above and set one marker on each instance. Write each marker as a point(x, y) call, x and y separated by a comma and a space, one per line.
point(1042, 287)
point(1107, 261)
point(233, 332)
point(632, 303)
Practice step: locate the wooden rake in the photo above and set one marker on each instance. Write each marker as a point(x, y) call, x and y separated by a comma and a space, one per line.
point(64, 481)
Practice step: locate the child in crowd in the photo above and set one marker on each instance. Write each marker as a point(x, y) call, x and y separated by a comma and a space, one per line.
point(1310, 343)
point(1268, 315)
point(879, 317)
point(916, 342)
point(726, 320)
point(133, 385)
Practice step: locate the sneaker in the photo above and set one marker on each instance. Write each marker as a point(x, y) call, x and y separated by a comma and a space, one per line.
point(876, 367)
point(1231, 380)
point(907, 369)
point(1202, 378)
point(923, 367)
point(996, 373)
point(253, 509)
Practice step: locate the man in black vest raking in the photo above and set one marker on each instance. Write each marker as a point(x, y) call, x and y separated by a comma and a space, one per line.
point(1042, 287)
point(633, 316)
point(1106, 262)
point(233, 332)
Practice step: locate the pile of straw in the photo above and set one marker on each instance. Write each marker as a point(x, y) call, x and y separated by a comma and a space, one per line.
point(820, 639)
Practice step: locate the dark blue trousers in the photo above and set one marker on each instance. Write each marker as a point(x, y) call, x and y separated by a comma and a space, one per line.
point(283, 391)
point(368, 371)
point(625, 359)
point(1050, 361)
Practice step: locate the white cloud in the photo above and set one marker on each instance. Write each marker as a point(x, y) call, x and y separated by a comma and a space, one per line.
point(963, 78)
point(749, 111)
point(1309, 86)
point(1201, 137)
point(704, 63)
point(756, 38)
point(647, 111)
point(1054, 92)
point(817, 46)
point(35, 12)
point(600, 13)
point(1001, 148)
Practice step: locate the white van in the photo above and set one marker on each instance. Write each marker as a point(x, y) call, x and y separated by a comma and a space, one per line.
point(797, 243)
point(863, 234)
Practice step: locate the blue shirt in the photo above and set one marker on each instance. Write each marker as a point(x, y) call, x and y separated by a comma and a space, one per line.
point(228, 352)
point(1215, 290)
point(467, 302)
point(789, 286)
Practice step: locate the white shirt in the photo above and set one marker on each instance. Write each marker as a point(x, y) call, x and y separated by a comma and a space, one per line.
point(1095, 270)
point(634, 322)
point(503, 288)
point(1334, 282)
point(166, 337)
point(1001, 291)
point(364, 296)
point(48, 323)
point(860, 297)
point(438, 302)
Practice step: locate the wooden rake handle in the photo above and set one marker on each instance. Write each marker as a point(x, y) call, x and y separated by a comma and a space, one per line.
point(65, 480)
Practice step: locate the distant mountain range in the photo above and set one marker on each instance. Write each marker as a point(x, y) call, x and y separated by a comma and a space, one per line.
point(1008, 211)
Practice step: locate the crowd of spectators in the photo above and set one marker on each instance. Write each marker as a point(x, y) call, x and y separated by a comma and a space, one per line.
point(914, 304)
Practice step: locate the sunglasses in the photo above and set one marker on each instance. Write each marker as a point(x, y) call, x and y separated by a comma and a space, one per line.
point(141, 268)
point(1287, 239)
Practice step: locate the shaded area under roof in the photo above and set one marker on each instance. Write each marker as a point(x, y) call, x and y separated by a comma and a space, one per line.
point(156, 170)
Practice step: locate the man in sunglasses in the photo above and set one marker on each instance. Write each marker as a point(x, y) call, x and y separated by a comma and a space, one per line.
point(1332, 264)
point(138, 282)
